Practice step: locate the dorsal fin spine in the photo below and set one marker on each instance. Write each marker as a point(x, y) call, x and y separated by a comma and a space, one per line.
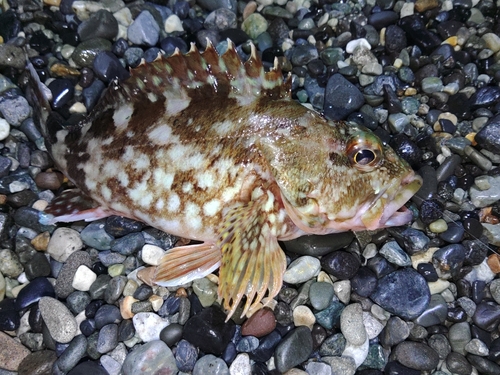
point(195, 68)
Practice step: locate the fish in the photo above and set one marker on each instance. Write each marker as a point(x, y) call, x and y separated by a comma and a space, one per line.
point(212, 148)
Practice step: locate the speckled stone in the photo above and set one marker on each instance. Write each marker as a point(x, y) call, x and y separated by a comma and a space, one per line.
point(59, 320)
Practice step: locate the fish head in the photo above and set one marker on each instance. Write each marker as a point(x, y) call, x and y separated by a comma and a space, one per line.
point(336, 177)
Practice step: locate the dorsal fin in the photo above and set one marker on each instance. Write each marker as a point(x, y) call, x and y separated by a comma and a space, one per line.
point(223, 72)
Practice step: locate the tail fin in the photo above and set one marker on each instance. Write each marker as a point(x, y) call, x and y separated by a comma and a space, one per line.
point(39, 96)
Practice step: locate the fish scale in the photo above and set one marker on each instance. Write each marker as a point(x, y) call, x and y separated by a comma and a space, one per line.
point(207, 147)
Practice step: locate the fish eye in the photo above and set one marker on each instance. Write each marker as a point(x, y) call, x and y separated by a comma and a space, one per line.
point(364, 157)
point(364, 151)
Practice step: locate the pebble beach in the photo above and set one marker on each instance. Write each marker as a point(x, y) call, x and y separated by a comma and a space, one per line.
point(424, 298)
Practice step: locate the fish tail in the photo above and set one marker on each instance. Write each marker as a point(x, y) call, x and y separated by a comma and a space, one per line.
point(39, 96)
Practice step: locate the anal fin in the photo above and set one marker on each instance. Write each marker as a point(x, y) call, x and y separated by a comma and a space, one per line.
point(183, 264)
point(252, 260)
point(72, 205)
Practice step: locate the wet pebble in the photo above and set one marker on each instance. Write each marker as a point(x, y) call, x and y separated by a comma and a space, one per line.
point(208, 331)
point(294, 349)
point(301, 270)
point(210, 365)
point(149, 359)
point(185, 356)
point(144, 30)
point(341, 98)
point(404, 293)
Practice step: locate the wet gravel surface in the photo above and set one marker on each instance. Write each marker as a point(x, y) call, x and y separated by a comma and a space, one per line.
point(423, 75)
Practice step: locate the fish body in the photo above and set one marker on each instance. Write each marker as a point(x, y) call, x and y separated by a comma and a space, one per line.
point(209, 148)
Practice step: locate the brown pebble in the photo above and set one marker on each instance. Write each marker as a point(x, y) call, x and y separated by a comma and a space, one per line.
point(49, 180)
point(494, 263)
point(181, 292)
point(126, 307)
point(38, 363)
point(259, 324)
point(41, 241)
point(423, 5)
point(146, 275)
point(12, 353)
point(64, 71)
point(3, 199)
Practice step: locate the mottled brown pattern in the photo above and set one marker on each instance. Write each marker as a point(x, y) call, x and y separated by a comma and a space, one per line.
point(209, 148)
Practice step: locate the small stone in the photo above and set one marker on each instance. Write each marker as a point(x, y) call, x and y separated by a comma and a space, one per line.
point(64, 242)
point(459, 335)
point(14, 109)
point(94, 235)
point(9, 264)
point(259, 324)
point(254, 25)
point(302, 270)
point(416, 355)
point(403, 292)
point(477, 347)
point(59, 320)
point(395, 254)
point(149, 325)
point(12, 353)
point(342, 365)
point(303, 316)
point(185, 356)
point(209, 331)
point(84, 277)
point(144, 30)
point(341, 98)
point(241, 365)
point(173, 24)
point(294, 349)
point(108, 338)
point(210, 365)
point(37, 363)
point(205, 290)
point(152, 358)
point(351, 324)
point(152, 254)
point(320, 295)
point(435, 313)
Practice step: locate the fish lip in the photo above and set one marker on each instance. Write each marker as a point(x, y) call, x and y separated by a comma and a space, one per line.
point(395, 213)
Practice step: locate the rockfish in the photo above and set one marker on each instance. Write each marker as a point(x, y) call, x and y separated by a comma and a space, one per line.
point(211, 148)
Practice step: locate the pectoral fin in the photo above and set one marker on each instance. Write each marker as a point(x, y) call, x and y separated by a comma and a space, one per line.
point(183, 264)
point(252, 261)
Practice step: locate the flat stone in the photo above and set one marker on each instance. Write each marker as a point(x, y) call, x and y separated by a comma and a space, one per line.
point(152, 358)
point(294, 349)
point(64, 242)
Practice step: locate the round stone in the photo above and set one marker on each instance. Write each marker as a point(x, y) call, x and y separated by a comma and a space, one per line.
point(64, 242)
point(151, 358)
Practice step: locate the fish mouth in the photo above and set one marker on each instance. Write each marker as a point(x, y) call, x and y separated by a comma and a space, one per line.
point(387, 209)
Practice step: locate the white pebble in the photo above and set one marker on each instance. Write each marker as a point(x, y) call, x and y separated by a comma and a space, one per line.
point(372, 325)
point(241, 365)
point(353, 44)
point(17, 186)
point(4, 129)
point(63, 243)
point(83, 279)
point(343, 290)
point(303, 316)
point(302, 270)
point(152, 254)
point(149, 325)
point(352, 326)
point(173, 23)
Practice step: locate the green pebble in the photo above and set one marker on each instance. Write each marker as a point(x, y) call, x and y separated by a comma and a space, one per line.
point(116, 270)
point(410, 105)
point(330, 56)
point(438, 226)
point(206, 291)
point(254, 25)
point(85, 53)
point(431, 85)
